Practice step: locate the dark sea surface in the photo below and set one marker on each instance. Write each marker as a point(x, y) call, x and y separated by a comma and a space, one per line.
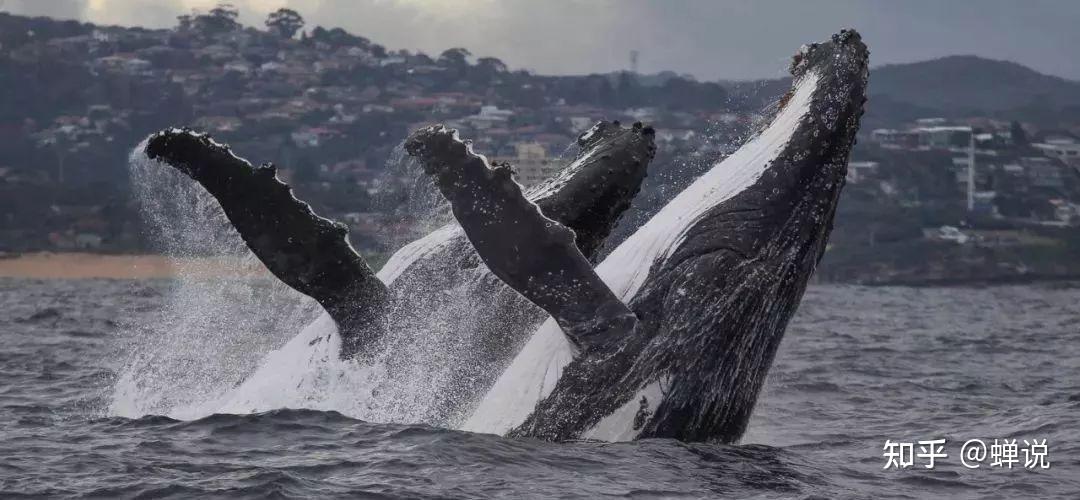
point(858, 366)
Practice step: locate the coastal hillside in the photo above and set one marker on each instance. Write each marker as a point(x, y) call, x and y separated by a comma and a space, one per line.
point(330, 108)
point(954, 86)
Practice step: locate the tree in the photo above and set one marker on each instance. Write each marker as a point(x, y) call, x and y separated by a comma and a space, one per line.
point(225, 12)
point(221, 19)
point(285, 22)
point(1019, 136)
point(457, 57)
point(183, 23)
point(490, 65)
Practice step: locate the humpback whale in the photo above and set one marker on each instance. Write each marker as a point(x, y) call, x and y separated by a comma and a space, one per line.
point(312, 255)
point(673, 333)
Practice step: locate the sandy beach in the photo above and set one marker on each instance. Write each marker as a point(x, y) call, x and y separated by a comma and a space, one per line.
point(48, 265)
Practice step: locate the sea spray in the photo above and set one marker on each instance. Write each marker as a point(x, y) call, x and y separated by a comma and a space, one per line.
point(232, 339)
point(237, 341)
point(222, 313)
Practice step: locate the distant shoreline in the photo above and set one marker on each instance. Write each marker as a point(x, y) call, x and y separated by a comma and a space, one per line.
point(72, 265)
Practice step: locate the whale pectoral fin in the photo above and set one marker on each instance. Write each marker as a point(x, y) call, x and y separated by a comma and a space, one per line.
point(591, 193)
point(307, 252)
point(528, 251)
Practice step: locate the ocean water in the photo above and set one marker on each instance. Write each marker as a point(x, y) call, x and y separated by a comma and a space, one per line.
point(858, 366)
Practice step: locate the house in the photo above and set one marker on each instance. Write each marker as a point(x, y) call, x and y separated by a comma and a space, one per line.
point(126, 63)
point(1066, 211)
point(1043, 172)
point(1063, 148)
point(218, 53)
point(415, 103)
point(984, 202)
point(218, 123)
point(531, 163)
point(896, 139)
point(931, 122)
point(946, 233)
point(489, 117)
point(392, 60)
point(860, 170)
point(238, 67)
point(88, 241)
point(942, 137)
point(377, 108)
point(312, 137)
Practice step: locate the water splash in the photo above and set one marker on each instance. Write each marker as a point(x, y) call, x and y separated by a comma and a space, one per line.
point(221, 315)
point(226, 339)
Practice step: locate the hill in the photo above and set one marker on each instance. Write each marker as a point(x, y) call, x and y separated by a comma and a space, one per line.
point(966, 84)
point(953, 86)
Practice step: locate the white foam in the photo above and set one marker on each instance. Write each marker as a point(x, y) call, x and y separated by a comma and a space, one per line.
point(212, 328)
point(529, 377)
point(409, 254)
point(619, 425)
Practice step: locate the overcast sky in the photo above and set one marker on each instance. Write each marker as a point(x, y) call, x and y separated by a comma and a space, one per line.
point(726, 39)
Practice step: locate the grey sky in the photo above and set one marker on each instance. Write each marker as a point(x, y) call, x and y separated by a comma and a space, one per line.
point(730, 39)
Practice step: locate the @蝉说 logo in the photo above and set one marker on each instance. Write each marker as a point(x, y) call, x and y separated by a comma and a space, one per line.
point(974, 453)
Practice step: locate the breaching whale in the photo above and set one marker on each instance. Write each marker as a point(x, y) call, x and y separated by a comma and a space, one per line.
point(673, 333)
point(312, 255)
point(670, 336)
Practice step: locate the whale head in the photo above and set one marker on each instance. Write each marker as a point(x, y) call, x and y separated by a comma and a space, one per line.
point(720, 299)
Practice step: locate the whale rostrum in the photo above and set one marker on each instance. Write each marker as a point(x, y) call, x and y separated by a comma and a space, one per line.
point(670, 335)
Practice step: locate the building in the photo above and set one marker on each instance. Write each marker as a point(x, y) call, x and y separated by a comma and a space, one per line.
point(531, 163)
point(892, 138)
point(489, 117)
point(1066, 211)
point(860, 170)
point(943, 137)
point(1063, 148)
point(1043, 172)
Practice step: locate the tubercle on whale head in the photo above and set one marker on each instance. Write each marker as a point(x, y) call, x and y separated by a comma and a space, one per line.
point(604, 129)
point(842, 68)
point(813, 55)
point(844, 53)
